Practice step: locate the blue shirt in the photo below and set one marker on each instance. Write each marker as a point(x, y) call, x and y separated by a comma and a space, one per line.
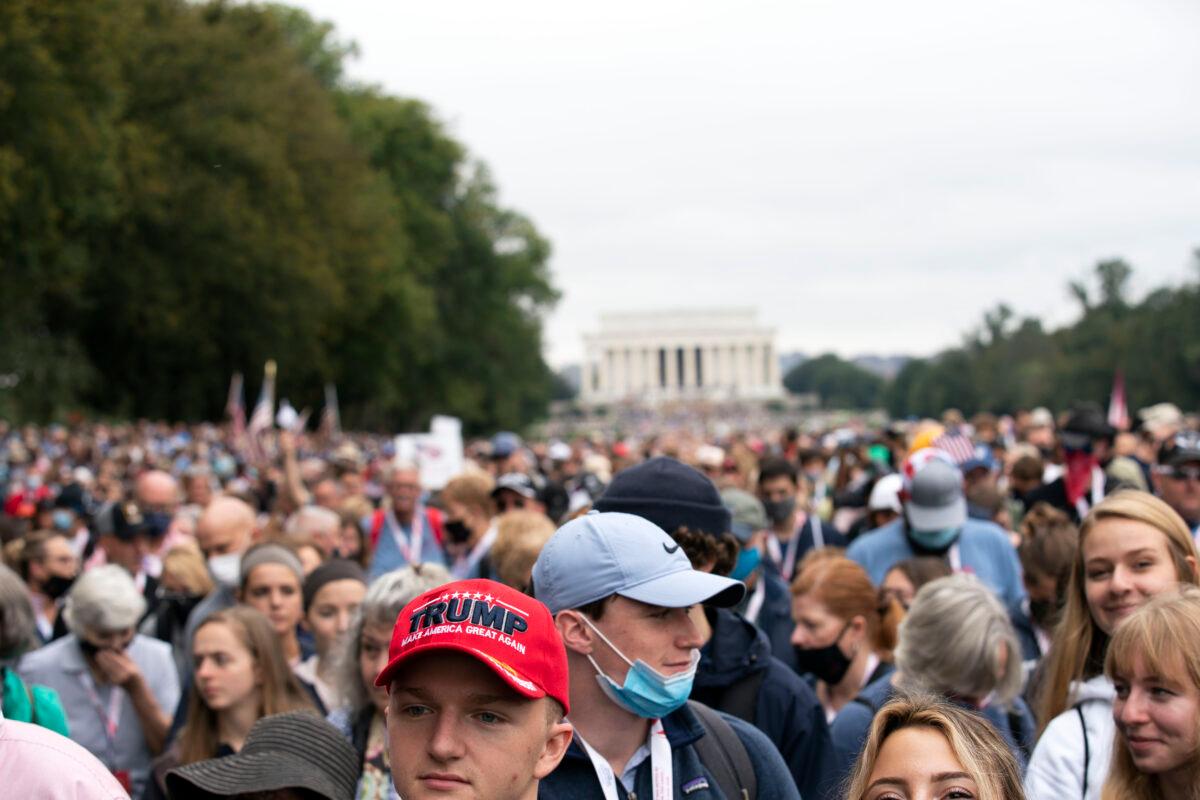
point(388, 556)
point(984, 549)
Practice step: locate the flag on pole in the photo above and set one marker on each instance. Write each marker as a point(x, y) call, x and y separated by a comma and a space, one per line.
point(264, 413)
point(331, 423)
point(1118, 411)
point(235, 406)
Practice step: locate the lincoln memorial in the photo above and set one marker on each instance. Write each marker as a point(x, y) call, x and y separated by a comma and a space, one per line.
point(650, 357)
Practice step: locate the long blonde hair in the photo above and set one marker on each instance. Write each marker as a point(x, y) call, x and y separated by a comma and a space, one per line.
point(1079, 646)
point(1165, 635)
point(975, 743)
point(280, 689)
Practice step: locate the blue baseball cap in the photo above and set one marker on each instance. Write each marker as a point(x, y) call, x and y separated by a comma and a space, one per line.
point(602, 554)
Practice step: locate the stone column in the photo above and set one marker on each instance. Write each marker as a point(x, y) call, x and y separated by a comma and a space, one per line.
point(672, 370)
point(689, 368)
point(774, 380)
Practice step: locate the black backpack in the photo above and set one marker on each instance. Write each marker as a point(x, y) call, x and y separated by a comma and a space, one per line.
point(724, 755)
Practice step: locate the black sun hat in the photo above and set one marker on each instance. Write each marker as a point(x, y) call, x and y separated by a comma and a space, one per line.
point(294, 750)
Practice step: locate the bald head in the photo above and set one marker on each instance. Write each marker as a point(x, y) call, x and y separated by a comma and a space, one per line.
point(225, 527)
point(157, 491)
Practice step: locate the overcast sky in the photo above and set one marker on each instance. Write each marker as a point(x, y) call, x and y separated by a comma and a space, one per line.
point(870, 176)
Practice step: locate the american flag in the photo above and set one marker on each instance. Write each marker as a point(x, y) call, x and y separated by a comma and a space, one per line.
point(1118, 411)
point(331, 423)
point(235, 407)
point(957, 445)
point(263, 415)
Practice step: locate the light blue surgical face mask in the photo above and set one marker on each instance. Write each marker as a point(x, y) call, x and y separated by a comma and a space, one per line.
point(62, 520)
point(936, 540)
point(646, 692)
point(747, 561)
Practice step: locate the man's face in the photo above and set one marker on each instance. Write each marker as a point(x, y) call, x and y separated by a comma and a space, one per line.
point(455, 730)
point(199, 490)
point(126, 553)
point(328, 494)
point(404, 487)
point(662, 637)
point(1179, 487)
point(157, 491)
point(58, 560)
point(777, 489)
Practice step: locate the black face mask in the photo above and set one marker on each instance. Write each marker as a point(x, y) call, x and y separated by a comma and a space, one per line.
point(89, 649)
point(56, 586)
point(779, 510)
point(178, 604)
point(157, 523)
point(457, 531)
point(829, 664)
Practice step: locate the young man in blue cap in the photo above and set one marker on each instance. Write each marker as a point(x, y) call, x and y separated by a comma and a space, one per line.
point(620, 590)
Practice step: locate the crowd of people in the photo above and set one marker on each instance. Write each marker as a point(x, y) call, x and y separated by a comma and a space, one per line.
point(994, 607)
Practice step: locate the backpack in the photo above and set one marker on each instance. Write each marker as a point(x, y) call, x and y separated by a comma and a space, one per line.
point(724, 755)
point(36, 704)
point(432, 516)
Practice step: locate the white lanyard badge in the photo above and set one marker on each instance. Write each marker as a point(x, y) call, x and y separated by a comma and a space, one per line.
point(410, 548)
point(660, 765)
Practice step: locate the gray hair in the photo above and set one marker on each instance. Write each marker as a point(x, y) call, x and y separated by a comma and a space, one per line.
point(969, 662)
point(398, 465)
point(103, 599)
point(18, 631)
point(386, 597)
point(311, 519)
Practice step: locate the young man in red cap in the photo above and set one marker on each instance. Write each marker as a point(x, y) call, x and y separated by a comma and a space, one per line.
point(477, 679)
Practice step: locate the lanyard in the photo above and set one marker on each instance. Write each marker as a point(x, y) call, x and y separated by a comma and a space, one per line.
point(1082, 507)
point(660, 765)
point(111, 718)
point(410, 547)
point(787, 564)
point(955, 558)
point(756, 600)
point(463, 566)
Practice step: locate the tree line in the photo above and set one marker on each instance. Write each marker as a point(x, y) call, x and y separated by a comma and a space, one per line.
point(1009, 361)
point(189, 189)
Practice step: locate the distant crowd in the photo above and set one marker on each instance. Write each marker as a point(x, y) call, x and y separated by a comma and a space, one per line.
point(992, 607)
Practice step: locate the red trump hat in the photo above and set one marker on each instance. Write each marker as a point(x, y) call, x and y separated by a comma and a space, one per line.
point(510, 632)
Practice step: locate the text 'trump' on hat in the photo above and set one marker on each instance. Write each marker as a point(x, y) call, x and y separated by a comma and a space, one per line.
point(508, 631)
point(601, 554)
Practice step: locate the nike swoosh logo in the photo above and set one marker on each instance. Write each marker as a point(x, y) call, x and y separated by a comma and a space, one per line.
point(670, 550)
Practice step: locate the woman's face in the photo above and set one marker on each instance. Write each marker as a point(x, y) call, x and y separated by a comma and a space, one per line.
point(1158, 716)
point(331, 610)
point(916, 763)
point(816, 626)
point(274, 590)
point(350, 541)
point(226, 673)
point(1125, 563)
point(896, 584)
point(372, 658)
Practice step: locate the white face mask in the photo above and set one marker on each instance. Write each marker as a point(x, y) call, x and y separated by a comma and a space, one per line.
point(226, 569)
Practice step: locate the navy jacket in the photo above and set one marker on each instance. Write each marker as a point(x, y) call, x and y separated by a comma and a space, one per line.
point(575, 777)
point(786, 710)
point(775, 616)
point(853, 722)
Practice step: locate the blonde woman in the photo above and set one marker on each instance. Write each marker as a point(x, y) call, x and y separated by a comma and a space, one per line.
point(921, 747)
point(521, 536)
point(1154, 663)
point(1132, 546)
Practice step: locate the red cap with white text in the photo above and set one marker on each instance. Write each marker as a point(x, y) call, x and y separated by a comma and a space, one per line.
point(510, 632)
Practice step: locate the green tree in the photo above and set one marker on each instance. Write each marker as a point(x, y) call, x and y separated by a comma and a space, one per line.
point(839, 383)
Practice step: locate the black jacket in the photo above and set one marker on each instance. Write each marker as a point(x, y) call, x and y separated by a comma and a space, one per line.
point(785, 709)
